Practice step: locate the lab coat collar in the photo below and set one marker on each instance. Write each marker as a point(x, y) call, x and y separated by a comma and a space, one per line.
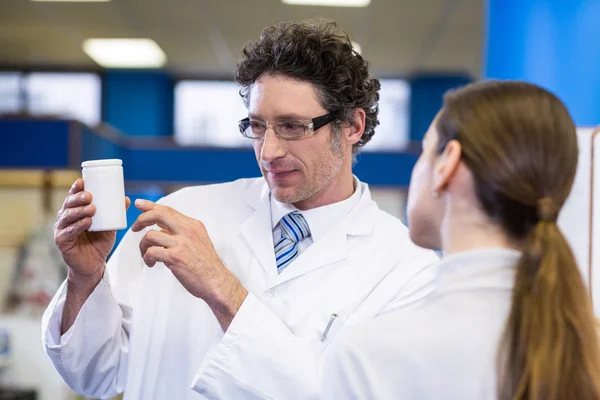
point(319, 219)
point(257, 231)
point(489, 268)
point(333, 246)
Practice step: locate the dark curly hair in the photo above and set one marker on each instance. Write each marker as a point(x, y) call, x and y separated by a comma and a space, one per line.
point(319, 52)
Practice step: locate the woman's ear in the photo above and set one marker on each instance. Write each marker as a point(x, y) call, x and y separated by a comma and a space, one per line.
point(446, 165)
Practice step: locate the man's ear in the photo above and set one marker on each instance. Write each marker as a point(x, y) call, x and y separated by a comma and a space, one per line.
point(354, 130)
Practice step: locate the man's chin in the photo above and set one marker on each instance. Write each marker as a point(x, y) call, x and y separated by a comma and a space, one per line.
point(285, 195)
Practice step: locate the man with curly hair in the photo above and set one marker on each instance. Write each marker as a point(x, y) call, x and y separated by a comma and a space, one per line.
point(238, 289)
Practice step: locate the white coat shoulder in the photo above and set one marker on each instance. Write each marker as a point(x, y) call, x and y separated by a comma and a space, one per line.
point(445, 349)
point(390, 225)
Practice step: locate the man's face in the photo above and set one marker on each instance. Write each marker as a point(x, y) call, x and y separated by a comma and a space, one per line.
point(297, 170)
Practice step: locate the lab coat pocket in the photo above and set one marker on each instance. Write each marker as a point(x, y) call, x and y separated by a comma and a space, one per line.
point(329, 325)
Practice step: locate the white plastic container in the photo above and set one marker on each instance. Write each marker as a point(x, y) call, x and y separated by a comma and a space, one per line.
point(104, 180)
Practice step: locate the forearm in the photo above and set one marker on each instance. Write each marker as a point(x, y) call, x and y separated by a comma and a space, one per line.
point(227, 300)
point(91, 354)
point(79, 289)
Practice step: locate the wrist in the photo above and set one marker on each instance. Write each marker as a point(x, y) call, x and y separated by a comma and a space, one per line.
point(84, 283)
point(227, 300)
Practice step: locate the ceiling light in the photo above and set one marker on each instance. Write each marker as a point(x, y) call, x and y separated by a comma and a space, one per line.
point(330, 3)
point(356, 47)
point(71, 1)
point(125, 53)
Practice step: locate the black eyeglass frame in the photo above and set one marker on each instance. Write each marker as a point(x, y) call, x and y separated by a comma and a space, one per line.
point(310, 126)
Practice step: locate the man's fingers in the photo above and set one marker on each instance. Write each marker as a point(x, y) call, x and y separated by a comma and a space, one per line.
point(72, 215)
point(157, 254)
point(70, 233)
point(76, 187)
point(145, 205)
point(76, 200)
point(162, 216)
point(155, 238)
point(127, 202)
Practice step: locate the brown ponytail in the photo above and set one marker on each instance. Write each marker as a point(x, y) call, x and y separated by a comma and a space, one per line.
point(519, 142)
point(550, 347)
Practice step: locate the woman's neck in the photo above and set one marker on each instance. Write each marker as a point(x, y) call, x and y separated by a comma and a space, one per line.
point(471, 231)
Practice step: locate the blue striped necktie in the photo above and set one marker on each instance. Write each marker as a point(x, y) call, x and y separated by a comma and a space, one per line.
point(294, 229)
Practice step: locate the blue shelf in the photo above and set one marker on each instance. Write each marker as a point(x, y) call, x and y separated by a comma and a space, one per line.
point(62, 144)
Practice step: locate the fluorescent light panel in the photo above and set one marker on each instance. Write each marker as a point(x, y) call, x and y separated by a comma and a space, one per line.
point(125, 53)
point(330, 3)
point(71, 1)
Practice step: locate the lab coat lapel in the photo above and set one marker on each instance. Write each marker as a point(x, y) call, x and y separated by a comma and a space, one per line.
point(257, 229)
point(334, 246)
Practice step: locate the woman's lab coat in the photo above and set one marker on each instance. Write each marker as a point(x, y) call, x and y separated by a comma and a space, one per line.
point(446, 348)
point(141, 331)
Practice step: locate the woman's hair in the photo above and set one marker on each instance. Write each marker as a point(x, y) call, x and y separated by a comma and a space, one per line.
point(519, 142)
point(320, 53)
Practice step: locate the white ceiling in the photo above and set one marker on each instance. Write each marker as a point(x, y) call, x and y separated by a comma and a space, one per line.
point(205, 37)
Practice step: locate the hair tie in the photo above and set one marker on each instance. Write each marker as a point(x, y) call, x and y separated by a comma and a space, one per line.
point(546, 209)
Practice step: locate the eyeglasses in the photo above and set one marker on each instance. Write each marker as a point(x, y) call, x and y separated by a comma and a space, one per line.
point(287, 129)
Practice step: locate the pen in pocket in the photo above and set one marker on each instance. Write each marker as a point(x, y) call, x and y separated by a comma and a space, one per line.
point(326, 331)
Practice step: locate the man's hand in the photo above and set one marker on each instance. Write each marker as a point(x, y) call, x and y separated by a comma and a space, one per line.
point(84, 252)
point(184, 247)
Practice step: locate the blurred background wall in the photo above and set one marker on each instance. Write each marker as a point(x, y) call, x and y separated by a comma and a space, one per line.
point(167, 106)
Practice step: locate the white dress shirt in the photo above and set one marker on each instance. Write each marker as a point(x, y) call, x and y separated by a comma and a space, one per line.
point(445, 348)
point(140, 331)
point(319, 219)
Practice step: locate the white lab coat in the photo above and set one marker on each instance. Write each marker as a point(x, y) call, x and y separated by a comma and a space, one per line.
point(445, 348)
point(141, 331)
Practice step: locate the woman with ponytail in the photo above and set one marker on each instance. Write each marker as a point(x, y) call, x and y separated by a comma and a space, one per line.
point(511, 317)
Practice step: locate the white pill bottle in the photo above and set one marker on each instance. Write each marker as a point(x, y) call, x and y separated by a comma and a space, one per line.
point(104, 180)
